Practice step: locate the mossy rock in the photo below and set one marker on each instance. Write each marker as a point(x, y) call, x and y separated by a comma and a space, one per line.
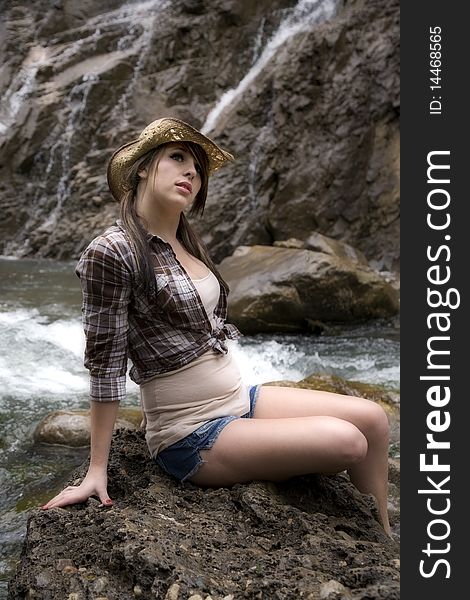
point(72, 428)
point(389, 399)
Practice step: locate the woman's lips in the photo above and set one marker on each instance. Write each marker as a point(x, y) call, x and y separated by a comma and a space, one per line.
point(185, 187)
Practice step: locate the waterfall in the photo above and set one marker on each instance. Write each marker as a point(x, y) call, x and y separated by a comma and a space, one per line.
point(73, 80)
point(77, 99)
point(20, 88)
point(258, 45)
point(24, 85)
point(141, 14)
point(139, 18)
point(302, 17)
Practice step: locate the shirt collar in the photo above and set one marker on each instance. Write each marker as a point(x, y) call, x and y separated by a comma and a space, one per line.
point(150, 236)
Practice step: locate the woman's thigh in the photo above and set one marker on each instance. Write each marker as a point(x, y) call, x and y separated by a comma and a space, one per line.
point(275, 402)
point(276, 449)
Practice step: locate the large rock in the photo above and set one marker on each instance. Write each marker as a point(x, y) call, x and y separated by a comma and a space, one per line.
point(285, 289)
point(315, 133)
point(168, 540)
point(72, 428)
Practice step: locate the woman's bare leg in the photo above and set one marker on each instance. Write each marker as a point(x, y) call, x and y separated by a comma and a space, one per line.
point(276, 449)
point(371, 475)
point(297, 432)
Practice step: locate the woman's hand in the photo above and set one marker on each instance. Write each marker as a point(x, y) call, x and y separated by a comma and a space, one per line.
point(92, 485)
point(103, 417)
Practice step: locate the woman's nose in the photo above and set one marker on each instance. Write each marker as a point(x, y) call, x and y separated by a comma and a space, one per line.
point(190, 170)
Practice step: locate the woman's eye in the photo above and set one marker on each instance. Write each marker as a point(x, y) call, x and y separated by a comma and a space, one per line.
point(179, 156)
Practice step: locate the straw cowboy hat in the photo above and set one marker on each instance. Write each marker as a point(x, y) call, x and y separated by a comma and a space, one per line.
point(159, 132)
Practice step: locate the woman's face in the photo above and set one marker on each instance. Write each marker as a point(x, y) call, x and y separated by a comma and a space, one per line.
point(175, 177)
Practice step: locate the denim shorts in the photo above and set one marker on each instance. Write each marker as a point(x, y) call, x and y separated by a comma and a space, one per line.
point(182, 459)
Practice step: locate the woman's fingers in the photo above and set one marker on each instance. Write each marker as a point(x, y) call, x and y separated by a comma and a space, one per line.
point(76, 495)
point(92, 485)
point(67, 496)
point(106, 500)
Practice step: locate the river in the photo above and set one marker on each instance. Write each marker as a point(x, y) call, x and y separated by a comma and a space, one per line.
point(41, 370)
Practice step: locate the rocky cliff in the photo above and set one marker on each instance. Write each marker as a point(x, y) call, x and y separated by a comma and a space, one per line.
point(305, 94)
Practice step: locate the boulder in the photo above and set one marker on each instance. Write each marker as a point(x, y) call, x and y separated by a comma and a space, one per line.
point(171, 540)
point(72, 428)
point(275, 289)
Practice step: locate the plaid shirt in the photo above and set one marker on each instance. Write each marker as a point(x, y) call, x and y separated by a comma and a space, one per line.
point(119, 320)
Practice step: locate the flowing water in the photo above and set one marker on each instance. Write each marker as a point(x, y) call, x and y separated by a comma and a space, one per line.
point(304, 14)
point(41, 370)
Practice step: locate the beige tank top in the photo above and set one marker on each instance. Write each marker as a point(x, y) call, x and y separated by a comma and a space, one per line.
point(178, 402)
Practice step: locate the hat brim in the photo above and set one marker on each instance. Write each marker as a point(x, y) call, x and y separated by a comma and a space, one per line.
point(161, 131)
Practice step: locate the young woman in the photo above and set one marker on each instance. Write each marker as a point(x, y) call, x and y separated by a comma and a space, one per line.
point(151, 293)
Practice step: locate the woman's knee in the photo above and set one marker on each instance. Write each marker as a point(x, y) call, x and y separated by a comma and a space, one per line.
point(353, 444)
point(377, 423)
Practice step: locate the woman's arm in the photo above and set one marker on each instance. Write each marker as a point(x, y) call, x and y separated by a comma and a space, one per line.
point(103, 417)
point(106, 285)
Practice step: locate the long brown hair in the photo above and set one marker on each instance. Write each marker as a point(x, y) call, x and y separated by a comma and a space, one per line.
point(188, 237)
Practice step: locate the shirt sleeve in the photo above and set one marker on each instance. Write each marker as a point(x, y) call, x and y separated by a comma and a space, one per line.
point(106, 287)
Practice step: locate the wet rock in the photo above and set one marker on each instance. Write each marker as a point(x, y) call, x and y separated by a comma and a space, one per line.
point(72, 428)
point(169, 539)
point(389, 399)
point(282, 289)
